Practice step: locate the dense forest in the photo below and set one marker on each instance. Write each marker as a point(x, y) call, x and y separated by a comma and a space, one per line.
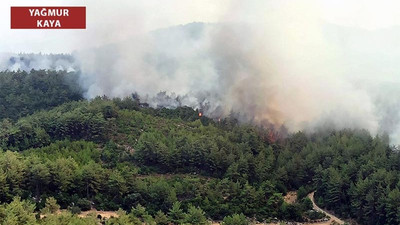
point(22, 93)
point(171, 166)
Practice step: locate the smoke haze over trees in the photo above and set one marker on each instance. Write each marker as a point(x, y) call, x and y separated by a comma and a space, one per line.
point(266, 78)
point(27, 62)
point(163, 120)
point(172, 165)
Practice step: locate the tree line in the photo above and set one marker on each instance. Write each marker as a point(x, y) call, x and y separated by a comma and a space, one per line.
point(115, 154)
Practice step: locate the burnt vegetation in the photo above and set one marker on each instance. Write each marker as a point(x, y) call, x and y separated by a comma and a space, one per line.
point(164, 166)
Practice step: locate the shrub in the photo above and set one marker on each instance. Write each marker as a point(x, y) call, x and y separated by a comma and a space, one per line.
point(51, 206)
point(314, 215)
point(235, 219)
point(74, 209)
point(84, 204)
point(161, 218)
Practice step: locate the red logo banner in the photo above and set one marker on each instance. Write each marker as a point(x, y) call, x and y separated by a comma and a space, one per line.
point(48, 17)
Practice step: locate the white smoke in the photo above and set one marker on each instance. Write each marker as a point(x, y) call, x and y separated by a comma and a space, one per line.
point(281, 65)
point(270, 62)
point(27, 62)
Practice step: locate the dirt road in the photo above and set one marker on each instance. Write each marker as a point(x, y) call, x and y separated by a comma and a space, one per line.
point(333, 218)
point(290, 198)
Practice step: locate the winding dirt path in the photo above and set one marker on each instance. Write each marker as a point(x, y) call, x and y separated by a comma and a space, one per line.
point(290, 198)
point(333, 218)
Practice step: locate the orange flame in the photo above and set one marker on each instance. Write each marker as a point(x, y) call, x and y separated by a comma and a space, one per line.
point(272, 136)
point(200, 114)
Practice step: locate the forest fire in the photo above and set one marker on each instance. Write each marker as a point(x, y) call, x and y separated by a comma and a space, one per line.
point(200, 114)
point(272, 136)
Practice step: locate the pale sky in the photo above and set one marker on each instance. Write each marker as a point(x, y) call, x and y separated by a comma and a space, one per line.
point(110, 21)
point(106, 21)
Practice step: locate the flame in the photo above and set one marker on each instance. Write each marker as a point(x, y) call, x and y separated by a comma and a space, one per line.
point(200, 114)
point(272, 136)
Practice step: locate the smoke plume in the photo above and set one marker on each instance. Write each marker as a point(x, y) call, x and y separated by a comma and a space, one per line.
point(268, 62)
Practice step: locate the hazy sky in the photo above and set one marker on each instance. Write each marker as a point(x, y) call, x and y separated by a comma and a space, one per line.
point(115, 20)
point(106, 21)
point(304, 62)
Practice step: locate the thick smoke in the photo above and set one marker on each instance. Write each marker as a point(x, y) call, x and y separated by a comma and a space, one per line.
point(280, 66)
point(266, 62)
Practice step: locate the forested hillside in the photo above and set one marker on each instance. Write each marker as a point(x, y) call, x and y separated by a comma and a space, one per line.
point(23, 93)
point(162, 166)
